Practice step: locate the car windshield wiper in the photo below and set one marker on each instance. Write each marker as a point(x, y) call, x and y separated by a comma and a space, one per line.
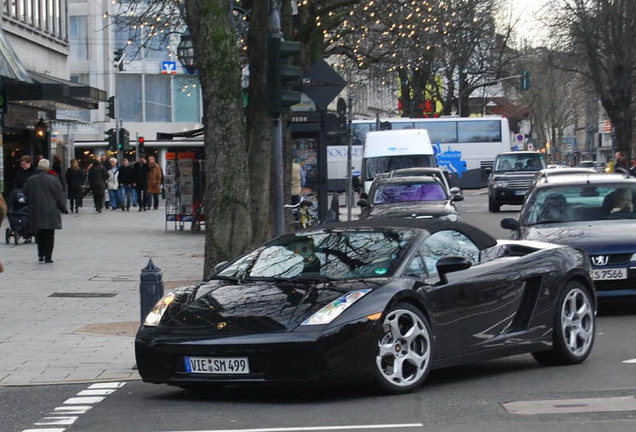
point(300, 277)
point(317, 277)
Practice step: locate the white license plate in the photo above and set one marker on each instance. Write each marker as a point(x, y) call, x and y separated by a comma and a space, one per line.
point(609, 274)
point(217, 365)
point(520, 192)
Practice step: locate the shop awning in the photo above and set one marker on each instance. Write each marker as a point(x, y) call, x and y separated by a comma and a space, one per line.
point(50, 93)
point(10, 65)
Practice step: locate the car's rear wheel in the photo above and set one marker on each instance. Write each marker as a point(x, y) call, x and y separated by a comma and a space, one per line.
point(493, 207)
point(7, 235)
point(404, 349)
point(574, 326)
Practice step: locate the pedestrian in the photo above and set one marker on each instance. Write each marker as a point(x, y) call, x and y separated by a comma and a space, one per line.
point(154, 182)
point(97, 177)
point(126, 181)
point(113, 184)
point(24, 172)
point(103, 159)
point(3, 211)
point(296, 186)
point(141, 182)
point(46, 200)
point(75, 179)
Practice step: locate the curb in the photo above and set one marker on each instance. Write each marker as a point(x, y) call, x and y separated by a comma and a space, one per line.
point(59, 383)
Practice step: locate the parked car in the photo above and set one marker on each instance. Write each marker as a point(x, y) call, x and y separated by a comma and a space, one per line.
point(511, 176)
point(412, 197)
point(597, 166)
point(374, 300)
point(593, 213)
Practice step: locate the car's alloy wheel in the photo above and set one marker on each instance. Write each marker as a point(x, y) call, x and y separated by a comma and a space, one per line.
point(577, 322)
point(404, 349)
point(574, 327)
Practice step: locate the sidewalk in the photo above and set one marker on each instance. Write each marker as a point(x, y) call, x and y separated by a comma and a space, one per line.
point(46, 339)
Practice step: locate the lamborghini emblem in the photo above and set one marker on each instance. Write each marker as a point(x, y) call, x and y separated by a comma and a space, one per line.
point(221, 325)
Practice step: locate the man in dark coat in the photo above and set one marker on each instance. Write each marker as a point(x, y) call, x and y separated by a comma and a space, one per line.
point(126, 181)
point(141, 182)
point(24, 172)
point(97, 177)
point(46, 200)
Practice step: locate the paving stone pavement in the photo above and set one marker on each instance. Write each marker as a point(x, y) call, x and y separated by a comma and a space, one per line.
point(45, 339)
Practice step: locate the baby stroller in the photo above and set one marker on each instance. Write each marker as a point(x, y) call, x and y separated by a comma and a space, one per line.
point(18, 215)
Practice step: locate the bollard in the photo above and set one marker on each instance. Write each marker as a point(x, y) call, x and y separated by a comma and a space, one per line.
point(150, 288)
point(335, 207)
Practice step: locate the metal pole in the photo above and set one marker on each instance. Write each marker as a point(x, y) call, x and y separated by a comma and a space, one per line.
point(117, 140)
point(349, 157)
point(278, 198)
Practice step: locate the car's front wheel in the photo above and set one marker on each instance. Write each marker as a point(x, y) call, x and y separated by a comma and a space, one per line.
point(404, 349)
point(574, 326)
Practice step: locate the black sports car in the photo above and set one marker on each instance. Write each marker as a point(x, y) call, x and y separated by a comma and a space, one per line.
point(382, 300)
point(423, 197)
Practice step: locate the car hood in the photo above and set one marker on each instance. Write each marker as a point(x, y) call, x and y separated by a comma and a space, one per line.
point(615, 236)
point(261, 307)
point(419, 208)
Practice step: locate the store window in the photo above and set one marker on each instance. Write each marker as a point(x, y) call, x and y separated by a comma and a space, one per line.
point(79, 37)
point(129, 97)
point(186, 99)
point(158, 107)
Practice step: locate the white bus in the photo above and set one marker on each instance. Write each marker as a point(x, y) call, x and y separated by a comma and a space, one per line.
point(464, 146)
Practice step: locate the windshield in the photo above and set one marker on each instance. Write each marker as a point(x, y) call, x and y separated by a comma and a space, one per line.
point(583, 202)
point(409, 192)
point(385, 164)
point(325, 254)
point(520, 162)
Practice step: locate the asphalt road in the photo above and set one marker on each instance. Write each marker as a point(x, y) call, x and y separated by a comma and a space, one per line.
point(513, 394)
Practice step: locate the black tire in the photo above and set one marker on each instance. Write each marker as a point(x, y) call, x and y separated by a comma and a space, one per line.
point(410, 375)
point(573, 338)
point(7, 235)
point(493, 207)
point(16, 237)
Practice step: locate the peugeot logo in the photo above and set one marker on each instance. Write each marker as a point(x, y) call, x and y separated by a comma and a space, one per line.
point(221, 325)
point(600, 260)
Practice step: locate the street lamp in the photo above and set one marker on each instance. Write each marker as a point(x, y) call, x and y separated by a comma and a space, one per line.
point(185, 52)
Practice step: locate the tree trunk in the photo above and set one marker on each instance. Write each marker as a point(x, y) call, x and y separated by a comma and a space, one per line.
point(259, 124)
point(228, 223)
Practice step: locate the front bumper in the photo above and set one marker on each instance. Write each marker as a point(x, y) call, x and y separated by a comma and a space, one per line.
point(507, 196)
point(620, 289)
point(342, 353)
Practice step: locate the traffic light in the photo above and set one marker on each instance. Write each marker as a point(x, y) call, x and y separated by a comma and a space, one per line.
point(111, 140)
point(118, 59)
point(525, 80)
point(110, 108)
point(141, 147)
point(124, 139)
point(280, 94)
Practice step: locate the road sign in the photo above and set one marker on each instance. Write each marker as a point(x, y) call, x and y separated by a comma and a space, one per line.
point(607, 126)
point(322, 84)
point(530, 147)
point(519, 137)
point(169, 67)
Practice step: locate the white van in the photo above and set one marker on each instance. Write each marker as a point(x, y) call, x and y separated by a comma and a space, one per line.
point(385, 151)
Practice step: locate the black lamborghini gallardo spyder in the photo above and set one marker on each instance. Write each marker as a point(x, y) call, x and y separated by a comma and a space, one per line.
point(374, 300)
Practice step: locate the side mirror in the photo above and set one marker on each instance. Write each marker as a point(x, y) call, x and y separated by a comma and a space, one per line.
point(451, 264)
point(488, 170)
point(455, 191)
point(220, 266)
point(456, 198)
point(364, 196)
point(363, 203)
point(510, 224)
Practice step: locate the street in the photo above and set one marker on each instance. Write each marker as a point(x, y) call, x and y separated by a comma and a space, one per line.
point(512, 394)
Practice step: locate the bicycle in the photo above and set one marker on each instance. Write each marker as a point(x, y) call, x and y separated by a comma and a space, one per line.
point(304, 212)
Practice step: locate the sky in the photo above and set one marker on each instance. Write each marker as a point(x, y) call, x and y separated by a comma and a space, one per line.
point(529, 27)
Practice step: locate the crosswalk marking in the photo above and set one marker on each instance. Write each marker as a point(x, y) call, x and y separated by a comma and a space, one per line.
point(571, 406)
point(58, 420)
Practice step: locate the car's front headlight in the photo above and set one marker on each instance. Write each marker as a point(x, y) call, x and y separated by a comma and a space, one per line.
point(501, 183)
point(453, 217)
point(335, 308)
point(157, 312)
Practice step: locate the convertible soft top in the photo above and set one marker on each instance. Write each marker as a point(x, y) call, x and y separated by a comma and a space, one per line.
point(477, 236)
